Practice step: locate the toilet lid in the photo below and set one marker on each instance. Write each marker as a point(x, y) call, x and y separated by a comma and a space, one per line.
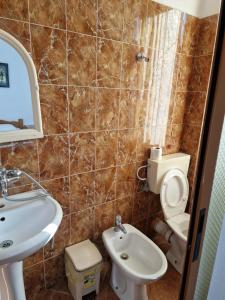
point(174, 193)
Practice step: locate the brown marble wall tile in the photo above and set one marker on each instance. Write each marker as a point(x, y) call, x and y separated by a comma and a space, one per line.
point(82, 225)
point(171, 104)
point(154, 204)
point(207, 35)
point(106, 149)
point(48, 12)
point(134, 74)
point(82, 191)
point(23, 156)
point(140, 225)
point(34, 279)
point(192, 170)
point(190, 139)
point(50, 55)
point(108, 63)
point(161, 18)
point(133, 108)
point(141, 206)
point(17, 9)
point(81, 60)
point(195, 107)
point(127, 146)
point(179, 108)
point(82, 16)
point(54, 109)
point(143, 146)
point(55, 266)
point(125, 181)
point(123, 207)
point(61, 239)
point(188, 34)
point(53, 157)
point(110, 25)
point(19, 30)
point(173, 138)
point(81, 109)
point(107, 109)
point(33, 259)
point(16, 188)
point(128, 103)
point(105, 185)
point(184, 66)
point(200, 73)
point(144, 99)
point(82, 152)
point(135, 21)
point(104, 217)
point(59, 188)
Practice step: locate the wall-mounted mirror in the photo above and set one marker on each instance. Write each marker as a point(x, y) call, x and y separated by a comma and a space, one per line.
point(20, 114)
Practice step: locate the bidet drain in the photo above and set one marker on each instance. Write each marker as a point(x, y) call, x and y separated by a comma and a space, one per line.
point(6, 244)
point(124, 256)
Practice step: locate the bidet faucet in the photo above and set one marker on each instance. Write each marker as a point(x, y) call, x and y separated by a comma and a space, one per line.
point(118, 225)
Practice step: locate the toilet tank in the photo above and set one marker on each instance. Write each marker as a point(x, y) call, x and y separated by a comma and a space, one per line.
point(158, 168)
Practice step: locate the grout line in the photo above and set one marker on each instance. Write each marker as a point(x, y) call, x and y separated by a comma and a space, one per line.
point(68, 122)
point(96, 95)
point(113, 88)
point(99, 37)
point(28, 4)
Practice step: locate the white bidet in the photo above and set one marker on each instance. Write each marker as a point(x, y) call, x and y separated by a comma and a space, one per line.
point(136, 261)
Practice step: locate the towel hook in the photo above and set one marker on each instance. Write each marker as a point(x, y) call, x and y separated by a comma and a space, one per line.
point(140, 57)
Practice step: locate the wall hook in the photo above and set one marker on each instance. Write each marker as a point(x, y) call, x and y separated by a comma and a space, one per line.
point(141, 57)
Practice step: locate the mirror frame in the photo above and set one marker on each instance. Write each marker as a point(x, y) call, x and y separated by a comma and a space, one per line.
point(37, 132)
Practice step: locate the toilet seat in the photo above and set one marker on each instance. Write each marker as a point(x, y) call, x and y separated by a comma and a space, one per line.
point(180, 225)
point(174, 193)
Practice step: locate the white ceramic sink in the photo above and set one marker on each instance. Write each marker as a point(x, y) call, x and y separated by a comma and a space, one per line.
point(25, 227)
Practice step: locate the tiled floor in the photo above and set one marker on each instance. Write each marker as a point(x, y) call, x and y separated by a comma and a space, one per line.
point(167, 288)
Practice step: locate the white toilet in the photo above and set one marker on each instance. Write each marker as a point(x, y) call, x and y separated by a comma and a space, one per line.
point(136, 260)
point(168, 177)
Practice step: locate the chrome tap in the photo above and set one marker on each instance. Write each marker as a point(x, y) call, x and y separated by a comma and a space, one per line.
point(3, 182)
point(7, 176)
point(118, 225)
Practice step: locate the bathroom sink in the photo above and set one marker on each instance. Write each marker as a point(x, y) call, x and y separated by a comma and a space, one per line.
point(25, 227)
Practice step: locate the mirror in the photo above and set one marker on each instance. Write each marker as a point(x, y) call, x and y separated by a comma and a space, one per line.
point(20, 114)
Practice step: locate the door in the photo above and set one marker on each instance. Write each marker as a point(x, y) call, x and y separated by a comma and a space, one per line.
point(208, 154)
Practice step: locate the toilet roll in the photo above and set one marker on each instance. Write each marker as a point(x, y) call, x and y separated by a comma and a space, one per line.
point(156, 153)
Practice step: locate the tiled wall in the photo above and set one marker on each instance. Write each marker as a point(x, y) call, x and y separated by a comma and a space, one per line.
point(93, 99)
point(196, 93)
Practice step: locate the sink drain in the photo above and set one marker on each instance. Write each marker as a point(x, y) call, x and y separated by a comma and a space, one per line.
point(124, 256)
point(6, 244)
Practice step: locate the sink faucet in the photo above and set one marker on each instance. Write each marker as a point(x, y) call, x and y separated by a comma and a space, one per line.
point(118, 225)
point(3, 182)
point(7, 176)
